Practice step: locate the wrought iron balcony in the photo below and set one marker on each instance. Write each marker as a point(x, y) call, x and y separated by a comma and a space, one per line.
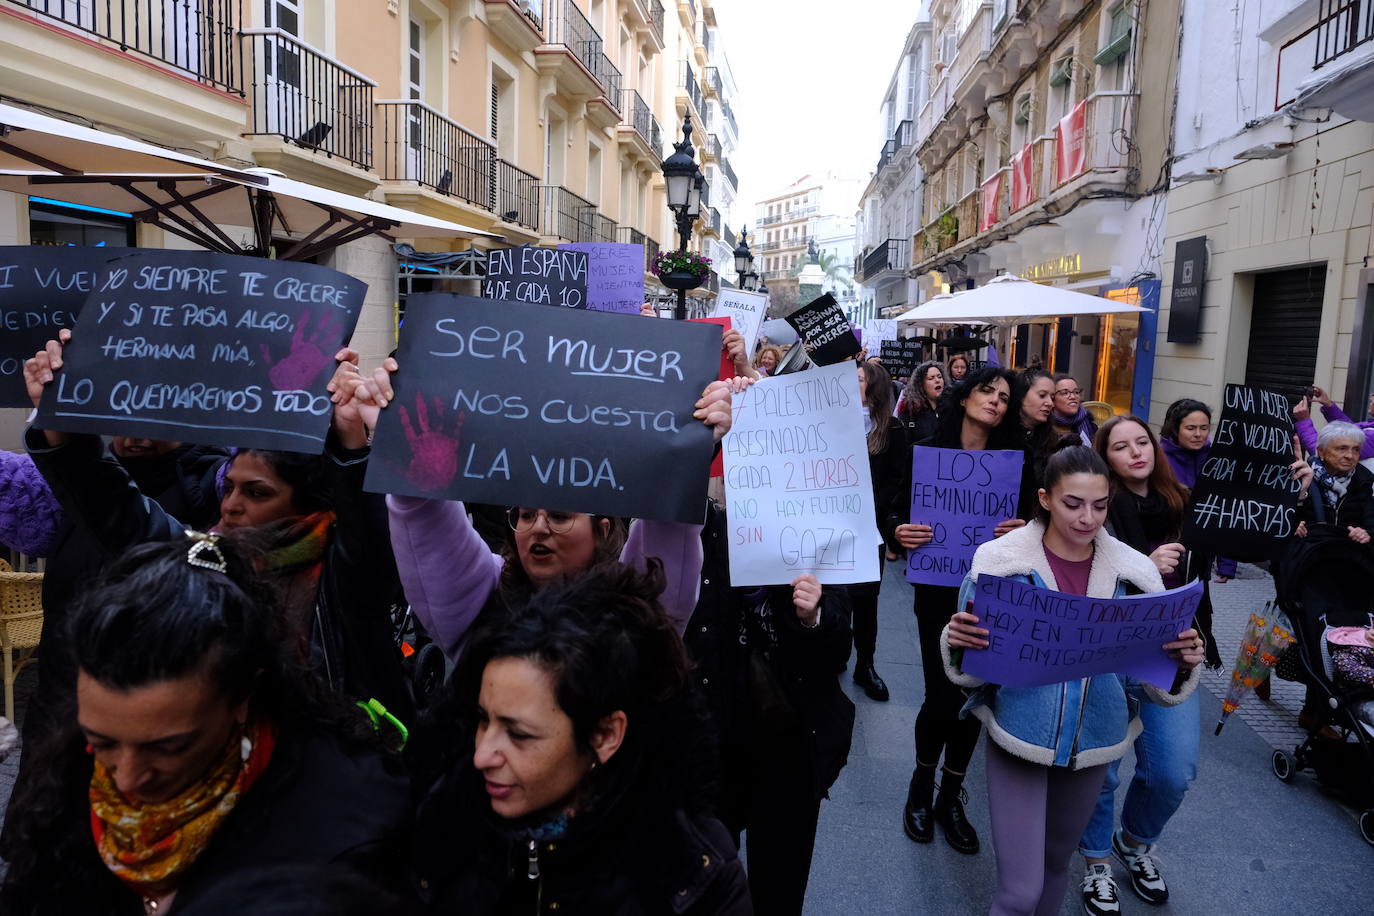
point(566, 25)
point(565, 215)
point(710, 82)
point(893, 254)
point(606, 228)
point(729, 172)
point(631, 236)
point(421, 145)
point(517, 195)
point(1342, 26)
point(687, 82)
point(608, 75)
point(651, 250)
point(194, 38)
point(307, 98)
point(731, 239)
point(656, 18)
point(729, 116)
point(710, 149)
point(639, 116)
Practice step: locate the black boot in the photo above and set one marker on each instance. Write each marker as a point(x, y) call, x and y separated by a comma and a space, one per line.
point(917, 819)
point(949, 814)
point(866, 676)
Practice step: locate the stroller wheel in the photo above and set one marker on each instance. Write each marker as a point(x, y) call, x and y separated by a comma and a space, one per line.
point(1285, 767)
point(428, 673)
point(1367, 825)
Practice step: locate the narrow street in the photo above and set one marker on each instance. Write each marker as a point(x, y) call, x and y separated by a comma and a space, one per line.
point(1243, 842)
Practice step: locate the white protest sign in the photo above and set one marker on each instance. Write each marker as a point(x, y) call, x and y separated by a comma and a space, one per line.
point(797, 482)
point(746, 312)
point(877, 331)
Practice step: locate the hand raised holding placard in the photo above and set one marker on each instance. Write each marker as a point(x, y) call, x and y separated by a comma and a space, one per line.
point(1302, 471)
point(38, 374)
point(713, 409)
point(806, 598)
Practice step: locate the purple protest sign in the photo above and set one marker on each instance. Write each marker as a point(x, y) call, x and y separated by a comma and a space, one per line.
point(962, 496)
point(615, 276)
point(1038, 636)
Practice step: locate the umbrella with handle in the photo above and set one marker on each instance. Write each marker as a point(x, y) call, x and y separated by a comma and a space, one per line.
point(1263, 641)
point(1007, 301)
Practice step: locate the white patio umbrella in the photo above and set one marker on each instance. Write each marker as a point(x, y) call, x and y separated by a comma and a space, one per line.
point(1007, 301)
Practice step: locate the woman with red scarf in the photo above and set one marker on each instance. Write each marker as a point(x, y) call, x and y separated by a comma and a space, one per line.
point(196, 750)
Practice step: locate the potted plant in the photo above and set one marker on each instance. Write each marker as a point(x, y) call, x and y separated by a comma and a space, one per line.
point(681, 269)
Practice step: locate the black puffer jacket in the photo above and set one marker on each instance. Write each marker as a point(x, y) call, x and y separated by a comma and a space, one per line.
point(1353, 510)
point(351, 636)
point(316, 803)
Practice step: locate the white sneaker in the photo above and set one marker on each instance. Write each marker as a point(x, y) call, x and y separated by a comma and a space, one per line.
point(1140, 864)
point(1099, 891)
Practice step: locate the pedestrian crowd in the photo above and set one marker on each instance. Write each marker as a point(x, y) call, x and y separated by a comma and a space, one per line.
point(225, 720)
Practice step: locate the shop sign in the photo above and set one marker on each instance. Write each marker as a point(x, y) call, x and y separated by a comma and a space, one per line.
point(1185, 303)
point(1063, 266)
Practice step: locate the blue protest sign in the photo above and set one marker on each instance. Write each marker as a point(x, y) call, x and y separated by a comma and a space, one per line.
point(962, 496)
point(615, 275)
point(1038, 636)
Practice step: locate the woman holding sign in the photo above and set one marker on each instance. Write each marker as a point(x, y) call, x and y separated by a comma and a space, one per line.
point(1050, 746)
point(975, 414)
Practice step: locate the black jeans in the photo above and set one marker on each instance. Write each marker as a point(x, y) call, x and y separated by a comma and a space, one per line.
point(863, 600)
point(939, 730)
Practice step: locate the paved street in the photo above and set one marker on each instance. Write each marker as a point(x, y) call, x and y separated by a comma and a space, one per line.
point(1242, 843)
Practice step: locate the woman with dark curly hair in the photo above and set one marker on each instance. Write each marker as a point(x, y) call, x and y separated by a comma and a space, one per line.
point(197, 748)
point(568, 764)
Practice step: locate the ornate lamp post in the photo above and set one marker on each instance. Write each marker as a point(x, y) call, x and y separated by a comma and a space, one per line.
point(685, 184)
point(744, 261)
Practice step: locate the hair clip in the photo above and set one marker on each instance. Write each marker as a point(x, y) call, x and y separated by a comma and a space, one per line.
point(205, 552)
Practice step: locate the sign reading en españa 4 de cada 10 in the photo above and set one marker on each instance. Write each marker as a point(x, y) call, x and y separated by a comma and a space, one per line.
point(797, 481)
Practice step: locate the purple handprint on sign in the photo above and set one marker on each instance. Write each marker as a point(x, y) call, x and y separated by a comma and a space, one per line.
point(310, 353)
point(434, 452)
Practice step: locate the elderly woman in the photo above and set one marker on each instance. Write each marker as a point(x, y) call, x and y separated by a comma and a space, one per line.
point(1344, 486)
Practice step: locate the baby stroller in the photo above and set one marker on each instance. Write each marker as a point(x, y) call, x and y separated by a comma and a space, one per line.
point(1327, 580)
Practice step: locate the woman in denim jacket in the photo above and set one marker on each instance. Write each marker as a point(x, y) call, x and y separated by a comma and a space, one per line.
point(1050, 745)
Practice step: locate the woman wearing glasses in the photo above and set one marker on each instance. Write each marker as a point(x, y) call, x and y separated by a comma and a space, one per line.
point(1070, 417)
point(451, 576)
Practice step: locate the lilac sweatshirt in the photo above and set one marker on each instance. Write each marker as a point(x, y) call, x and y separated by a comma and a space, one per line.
point(448, 571)
point(1307, 431)
point(30, 515)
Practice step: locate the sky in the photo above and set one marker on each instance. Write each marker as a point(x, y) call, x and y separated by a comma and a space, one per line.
point(810, 76)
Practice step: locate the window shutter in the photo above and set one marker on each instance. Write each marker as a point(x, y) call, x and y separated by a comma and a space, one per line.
point(1118, 37)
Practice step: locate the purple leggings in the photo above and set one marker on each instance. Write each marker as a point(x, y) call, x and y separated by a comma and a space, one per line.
point(1038, 813)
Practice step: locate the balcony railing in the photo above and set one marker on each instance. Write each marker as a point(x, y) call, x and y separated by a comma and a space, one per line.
point(731, 239)
point(711, 221)
point(651, 249)
point(607, 229)
point(565, 215)
point(729, 172)
point(631, 236)
point(309, 99)
point(517, 195)
point(641, 118)
point(710, 81)
point(900, 140)
point(729, 116)
point(711, 148)
point(421, 145)
point(966, 210)
point(893, 254)
point(608, 75)
point(687, 81)
point(1342, 26)
point(566, 25)
point(656, 18)
point(193, 37)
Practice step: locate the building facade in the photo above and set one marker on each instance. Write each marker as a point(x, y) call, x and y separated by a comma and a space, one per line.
point(890, 209)
point(1270, 212)
point(812, 208)
point(1044, 140)
point(542, 121)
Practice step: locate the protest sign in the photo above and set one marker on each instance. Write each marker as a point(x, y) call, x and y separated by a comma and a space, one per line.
point(1038, 636)
point(547, 276)
point(746, 312)
point(962, 496)
point(506, 403)
point(900, 357)
point(797, 481)
point(877, 331)
point(615, 276)
point(727, 372)
point(825, 331)
point(42, 288)
point(1244, 504)
point(209, 348)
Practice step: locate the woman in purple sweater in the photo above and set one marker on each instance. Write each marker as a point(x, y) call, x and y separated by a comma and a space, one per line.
point(1307, 432)
point(1184, 438)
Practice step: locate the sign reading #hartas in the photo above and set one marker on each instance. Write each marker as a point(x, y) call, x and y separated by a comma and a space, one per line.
point(511, 404)
point(547, 276)
point(1038, 636)
point(1245, 502)
point(210, 348)
point(797, 481)
point(42, 288)
point(825, 331)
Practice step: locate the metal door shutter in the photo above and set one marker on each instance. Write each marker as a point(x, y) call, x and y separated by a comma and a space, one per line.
point(1284, 327)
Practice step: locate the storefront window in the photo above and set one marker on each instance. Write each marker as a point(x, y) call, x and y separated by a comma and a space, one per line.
point(1115, 375)
point(53, 222)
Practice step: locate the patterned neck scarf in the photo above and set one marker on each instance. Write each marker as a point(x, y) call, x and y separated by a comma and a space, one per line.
point(1332, 486)
point(149, 847)
point(295, 562)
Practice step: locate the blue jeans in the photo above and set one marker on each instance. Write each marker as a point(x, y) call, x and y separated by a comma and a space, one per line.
point(1165, 765)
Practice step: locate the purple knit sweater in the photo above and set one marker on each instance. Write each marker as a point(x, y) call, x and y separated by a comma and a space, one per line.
point(30, 516)
point(1307, 431)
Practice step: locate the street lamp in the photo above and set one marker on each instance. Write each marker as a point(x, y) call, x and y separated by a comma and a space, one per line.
point(744, 260)
point(685, 185)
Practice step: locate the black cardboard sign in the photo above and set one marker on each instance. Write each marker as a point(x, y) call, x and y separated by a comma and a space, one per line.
point(546, 276)
point(825, 331)
point(1245, 500)
point(210, 348)
point(901, 357)
point(507, 403)
point(42, 289)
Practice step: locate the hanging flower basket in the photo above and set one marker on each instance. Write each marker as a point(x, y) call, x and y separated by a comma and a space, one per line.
point(681, 264)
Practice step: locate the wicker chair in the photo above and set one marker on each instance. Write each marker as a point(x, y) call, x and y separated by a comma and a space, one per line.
point(21, 623)
point(1100, 411)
